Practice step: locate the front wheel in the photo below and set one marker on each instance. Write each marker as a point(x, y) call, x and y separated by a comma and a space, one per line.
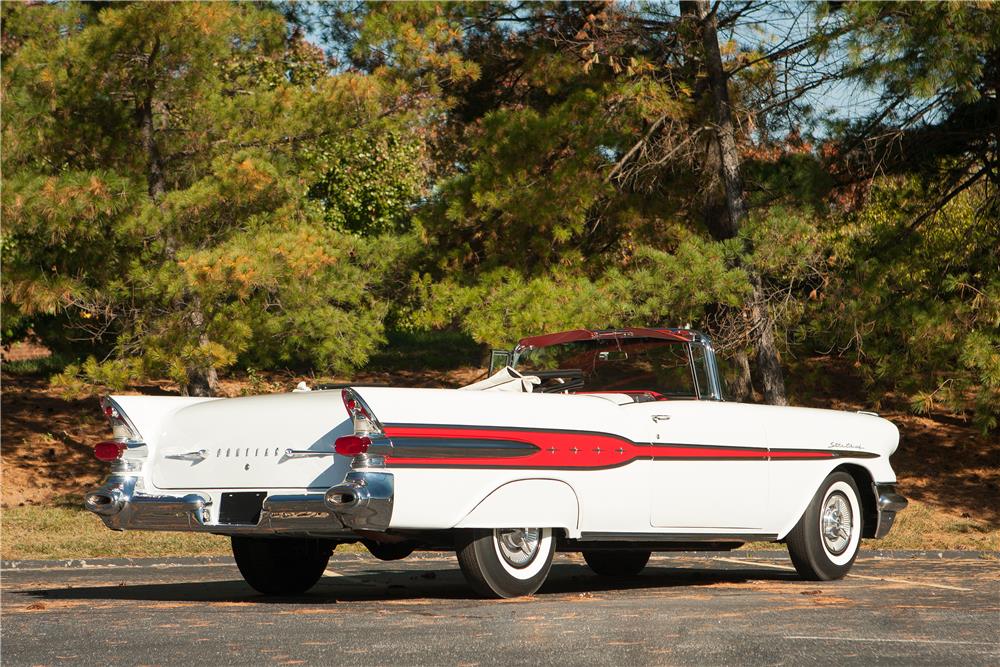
point(825, 541)
point(616, 563)
point(281, 566)
point(505, 562)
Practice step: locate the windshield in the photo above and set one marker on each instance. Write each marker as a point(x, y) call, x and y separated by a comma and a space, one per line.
point(620, 365)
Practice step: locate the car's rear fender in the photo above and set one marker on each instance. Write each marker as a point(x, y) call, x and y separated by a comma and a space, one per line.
point(550, 503)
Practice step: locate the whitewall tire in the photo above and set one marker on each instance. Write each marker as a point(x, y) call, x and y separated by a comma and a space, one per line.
point(506, 562)
point(825, 541)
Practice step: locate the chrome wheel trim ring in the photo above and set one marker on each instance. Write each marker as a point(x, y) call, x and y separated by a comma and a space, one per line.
point(850, 495)
point(836, 523)
point(518, 547)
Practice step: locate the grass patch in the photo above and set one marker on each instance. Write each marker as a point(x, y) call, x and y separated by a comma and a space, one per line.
point(44, 533)
point(63, 533)
point(50, 365)
point(921, 527)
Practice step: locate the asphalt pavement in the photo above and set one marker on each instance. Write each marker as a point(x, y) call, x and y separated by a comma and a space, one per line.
point(697, 609)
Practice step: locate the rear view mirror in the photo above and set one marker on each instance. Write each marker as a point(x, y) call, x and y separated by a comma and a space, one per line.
point(499, 359)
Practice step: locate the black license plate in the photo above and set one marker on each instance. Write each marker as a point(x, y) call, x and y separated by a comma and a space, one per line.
point(242, 508)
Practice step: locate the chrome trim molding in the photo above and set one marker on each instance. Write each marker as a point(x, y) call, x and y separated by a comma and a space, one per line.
point(196, 456)
point(889, 502)
point(677, 537)
point(363, 501)
point(305, 453)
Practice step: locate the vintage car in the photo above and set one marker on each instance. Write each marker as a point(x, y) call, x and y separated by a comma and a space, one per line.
point(610, 443)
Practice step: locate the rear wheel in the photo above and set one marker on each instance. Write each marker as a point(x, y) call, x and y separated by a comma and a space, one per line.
point(281, 566)
point(506, 562)
point(389, 550)
point(825, 541)
point(616, 563)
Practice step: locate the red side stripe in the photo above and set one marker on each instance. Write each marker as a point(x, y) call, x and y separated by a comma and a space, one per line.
point(575, 449)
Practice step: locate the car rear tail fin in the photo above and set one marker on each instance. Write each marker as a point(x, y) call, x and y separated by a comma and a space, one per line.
point(126, 451)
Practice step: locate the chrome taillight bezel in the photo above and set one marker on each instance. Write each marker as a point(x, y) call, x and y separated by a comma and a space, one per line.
point(124, 432)
point(364, 421)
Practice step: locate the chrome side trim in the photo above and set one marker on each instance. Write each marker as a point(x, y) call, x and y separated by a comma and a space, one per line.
point(363, 501)
point(889, 502)
point(199, 455)
point(305, 454)
point(677, 537)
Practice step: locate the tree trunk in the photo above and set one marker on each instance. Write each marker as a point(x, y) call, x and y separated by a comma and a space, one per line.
point(156, 183)
point(762, 336)
point(740, 387)
point(202, 379)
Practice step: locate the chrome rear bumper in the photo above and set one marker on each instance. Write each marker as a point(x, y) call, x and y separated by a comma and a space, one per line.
point(363, 501)
point(889, 502)
point(122, 507)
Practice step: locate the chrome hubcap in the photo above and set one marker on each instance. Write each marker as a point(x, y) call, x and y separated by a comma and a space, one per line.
point(518, 546)
point(836, 523)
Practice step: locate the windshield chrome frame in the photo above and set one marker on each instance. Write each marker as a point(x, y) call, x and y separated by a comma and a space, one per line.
point(714, 391)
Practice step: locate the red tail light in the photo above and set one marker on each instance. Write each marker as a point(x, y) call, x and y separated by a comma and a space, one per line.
point(351, 445)
point(109, 451)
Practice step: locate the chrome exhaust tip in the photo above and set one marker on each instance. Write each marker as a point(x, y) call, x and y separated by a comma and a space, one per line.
point(346, 497)
point(105, 502)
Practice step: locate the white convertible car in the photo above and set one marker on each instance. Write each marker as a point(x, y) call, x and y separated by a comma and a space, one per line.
point(610, 443)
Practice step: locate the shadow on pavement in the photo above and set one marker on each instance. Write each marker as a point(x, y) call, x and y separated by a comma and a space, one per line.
point(400, 585)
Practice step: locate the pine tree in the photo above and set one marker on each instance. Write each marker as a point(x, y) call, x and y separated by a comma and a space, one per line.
point(158, 160)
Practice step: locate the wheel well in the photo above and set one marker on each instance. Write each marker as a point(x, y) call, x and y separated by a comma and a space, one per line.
point(866, 489)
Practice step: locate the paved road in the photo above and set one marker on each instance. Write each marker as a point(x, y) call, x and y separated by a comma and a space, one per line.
point(685, 609)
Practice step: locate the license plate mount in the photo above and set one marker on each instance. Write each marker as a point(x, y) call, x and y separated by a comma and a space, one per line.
point(241, 508)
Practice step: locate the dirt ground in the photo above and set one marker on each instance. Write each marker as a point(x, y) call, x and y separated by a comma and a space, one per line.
point(949, 469)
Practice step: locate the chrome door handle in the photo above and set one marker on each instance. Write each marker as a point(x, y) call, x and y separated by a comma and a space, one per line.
point(199, 455)
point(305, 453)
point(661, 418)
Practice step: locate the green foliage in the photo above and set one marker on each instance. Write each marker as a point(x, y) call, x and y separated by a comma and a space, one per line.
point(156, 201)
point(920, 306)
point(923, 48)
point(369, 183)
point(54, 363)
point(658, 287)
point(192, 187)
point(93, 377)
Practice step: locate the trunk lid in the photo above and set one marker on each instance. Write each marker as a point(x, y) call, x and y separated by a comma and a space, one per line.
point(241, 443)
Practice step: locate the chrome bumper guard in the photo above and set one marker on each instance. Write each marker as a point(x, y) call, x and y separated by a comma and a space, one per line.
point(122, 507)
point(889, 502)
point(363, 501)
